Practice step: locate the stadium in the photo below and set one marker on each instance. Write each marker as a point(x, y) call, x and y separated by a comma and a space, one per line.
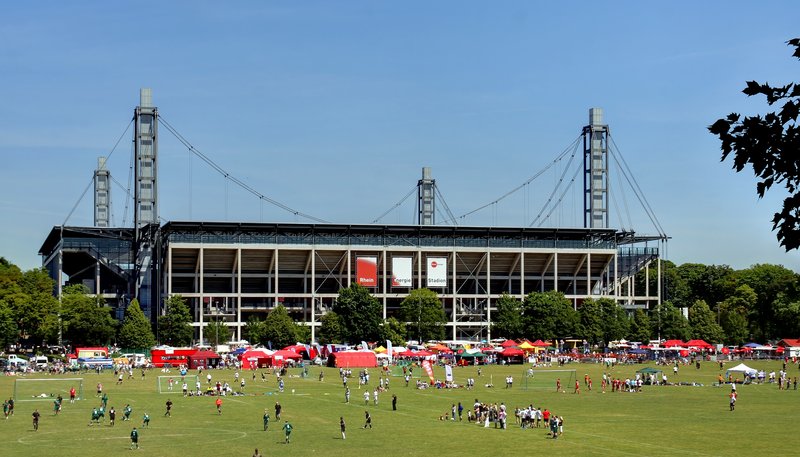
point(234, 271)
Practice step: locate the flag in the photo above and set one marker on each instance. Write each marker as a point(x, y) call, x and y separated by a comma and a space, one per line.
point(426, 365)
point(389, 348)
point(364, 346)
point(448, 373)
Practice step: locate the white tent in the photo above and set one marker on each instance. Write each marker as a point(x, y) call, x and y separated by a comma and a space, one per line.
point(742, 368)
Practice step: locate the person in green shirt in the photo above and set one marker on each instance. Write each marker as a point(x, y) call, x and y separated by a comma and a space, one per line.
point(134, 438)
point(126, 413)
point(104, 400)
point(266, 420)
point(287, 430)
point(5, 409)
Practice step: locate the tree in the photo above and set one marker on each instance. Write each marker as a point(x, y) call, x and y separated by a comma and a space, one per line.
point(424, 315)
point(640, 327)
point(669, 323)
point(548, 315)
point(733, 312)
point(768, 282)
point(173, 326)
point(135, 332)
point(255, 330)
point(361, 314)
point(280, 328)
point(9, 333)
point(330, 330)
point(507, 319)
point(394, 331)
point(614, 320)
point(769, 144)
point(217, 332)
point(591, 321)
point(704, 323)
point(86, 320)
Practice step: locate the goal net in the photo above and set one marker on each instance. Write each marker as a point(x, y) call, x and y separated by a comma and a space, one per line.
point(548, 379)
point(170, 384)
point(31, 389)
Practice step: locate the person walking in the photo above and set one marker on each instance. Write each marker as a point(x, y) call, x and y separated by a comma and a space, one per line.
point(347, 395)
point(394, 402)
point(278, 411)
point(342, 426)
point(169, 408)
point(266, 420)
point(287, 431)
point(367, 420)
point(134, 438)
point(35, 416)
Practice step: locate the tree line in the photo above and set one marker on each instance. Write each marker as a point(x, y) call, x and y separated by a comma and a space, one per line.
point(728, 306)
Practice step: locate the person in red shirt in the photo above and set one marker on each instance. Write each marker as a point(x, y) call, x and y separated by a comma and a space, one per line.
point(72, 395)
point(219, 405)
point(558, 385)
point(577, 387)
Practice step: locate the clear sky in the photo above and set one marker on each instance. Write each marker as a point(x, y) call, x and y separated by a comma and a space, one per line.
point(333, 108)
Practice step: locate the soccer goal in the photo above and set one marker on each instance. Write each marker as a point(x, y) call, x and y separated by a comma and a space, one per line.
point(548, 379)
point(170, 384)
point(31, 389)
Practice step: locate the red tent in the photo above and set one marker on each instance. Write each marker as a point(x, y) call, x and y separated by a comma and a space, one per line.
point(512, 352)
point(204, 358)
point(353, 359)
point(255, 358)
point(509, 344)
point(540, 343)
point(300, 349)
point(280, 357)
point(674, 344)
point(700, 344)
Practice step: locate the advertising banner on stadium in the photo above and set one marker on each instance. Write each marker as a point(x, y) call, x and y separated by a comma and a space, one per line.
point(367, 271)
point(401, 272)
point(437, 272)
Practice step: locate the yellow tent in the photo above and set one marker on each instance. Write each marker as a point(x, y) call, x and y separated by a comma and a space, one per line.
point(380, 349)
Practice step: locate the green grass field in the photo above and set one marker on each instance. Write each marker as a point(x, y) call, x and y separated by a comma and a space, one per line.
point(661, 420)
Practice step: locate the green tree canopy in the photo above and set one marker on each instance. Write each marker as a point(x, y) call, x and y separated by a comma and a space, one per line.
point(135, 332)
point(703, 323)
point(615, 320)
point(394, 331)
point(591, 321)
point(255, 330)
point(361, 314)
point(217, 332)
point(86, 320)
point(331, 329)
point(733, 315)
point(424, 315)
point(769, 144)
point(9, 332)
point(507, 319)
point(549, 315)
point(668, 323)
point(174, 326)
point(280, 328)
point(640, 327)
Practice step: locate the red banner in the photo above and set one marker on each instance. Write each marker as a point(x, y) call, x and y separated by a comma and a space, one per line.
point(367, 271)
point(426, 365)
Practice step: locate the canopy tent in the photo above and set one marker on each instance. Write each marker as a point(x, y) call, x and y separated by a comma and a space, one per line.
point(280, 357)
point(379, 349)
point(512, 355)
point(353, 359)
point(673, 344)
point(508, 344)
point(255, 358)
point(526, 346)
point(742, 368)
point(471, 355)
point(699, 344)
point(204, 358)
point(310, 352)
point(540, 344)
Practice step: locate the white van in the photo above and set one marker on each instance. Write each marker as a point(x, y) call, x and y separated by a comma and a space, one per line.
point(136, 360)
point(17, 362)
point(39, 362)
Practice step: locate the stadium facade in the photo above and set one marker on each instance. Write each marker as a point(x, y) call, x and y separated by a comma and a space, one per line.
point(232, 272)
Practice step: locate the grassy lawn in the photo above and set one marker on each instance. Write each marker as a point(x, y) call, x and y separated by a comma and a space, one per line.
point(661, 420)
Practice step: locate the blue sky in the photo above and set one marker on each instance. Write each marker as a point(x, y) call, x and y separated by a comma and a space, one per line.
point(333, 108)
